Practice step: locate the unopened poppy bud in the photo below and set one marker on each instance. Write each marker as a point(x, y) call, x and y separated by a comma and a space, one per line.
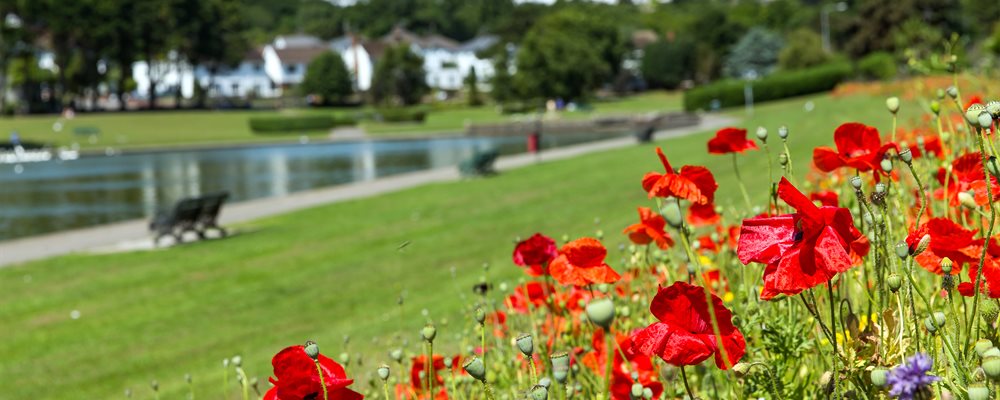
point(396, 355)
point(636, 392)
point(946, 265)
point(474, 366)
point(383, 372)
point(993, 166)
point(539, 392)
point(741, 369)
point(985, 120)
point(647, 393)
point(879, 188)
point(344, 358)
point(237, 361)
point(993, 107)
point(921, 246)
point(154, 385)
point(972, 113)
point(991, 366)
point(936, 107)
point(989, 311)
point(525, 344)
point(880, 376)
point(672, 213)
point(892, 104)
point(952, 92)
point(939, 319)
point(225, 363)
point(545, 382)
point(783, 159)
point(982, 345)
point(978, 391)
point(599, 234)
point(895, 282)
point(886, 165)
point(902, 250)
point(601, 312)
point(930, 325)
point(560, 366)
point(565, 238)
point(480, 315)
point(906, 155)
point(312, 349)
point(991, 352)
point(762, 133)
point(603, 288)
point(967, 200)
point(856, 182)
point(783, 132)
point(428, 333)
point(940, 94)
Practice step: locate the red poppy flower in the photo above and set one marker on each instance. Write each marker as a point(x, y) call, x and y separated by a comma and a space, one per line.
point(581, 262)
point(694, 184)
point(858, 147)
point(684, 333)
point(649, 229)
point(703, 215)
point(803, 249)
point(621, 373)
point(826, 198)
point(948, 239)
point(529, 294)
point(932, 144)
point(420, 365)
point(298, 378)
point(990, 284)
point(966, 174)
point(974, 99)
point(730, 140)
point(535, 253)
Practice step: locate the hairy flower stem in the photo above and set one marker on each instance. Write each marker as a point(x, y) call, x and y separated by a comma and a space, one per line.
point(486, 388)
point(322, 382)
point(770, 379)
point(225, 383)
point(836, 352)
point(432, 374)
point(609, 356)
point(743, 188)
point(244, 384)
point(687, 387)
point(385, 389)
point(788, 157)
point(988, 235)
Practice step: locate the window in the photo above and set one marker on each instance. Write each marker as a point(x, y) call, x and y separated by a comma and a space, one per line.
point(290, 68)
point(257, 67)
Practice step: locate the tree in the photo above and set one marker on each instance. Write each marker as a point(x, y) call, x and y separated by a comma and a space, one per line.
point(399, 77)
point(804, 50)
point(328, 78)
point(473, 84)
point(568, 54)
point(502, 83)
point(756, 53)
point(666, 63)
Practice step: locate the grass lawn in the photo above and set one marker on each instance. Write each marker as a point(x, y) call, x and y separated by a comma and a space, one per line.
point(338, 269)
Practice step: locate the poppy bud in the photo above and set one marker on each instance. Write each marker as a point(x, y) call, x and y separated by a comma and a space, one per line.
point(647, 393)
point(599, 234)
point(225, 362)
point(344, 358)
point(886, 165)
point(939, 319)
point(946, 265)
point(237, 361)
point(902, 251)
point(539, 392)
point(636, 392)
point(985, 120)
point(383, 372)
point(762, 134)
point(892, 104)
point(991, 366)
point(545, 382)
point(474, 366)
point(672, 213)
point(906, 155)
point(565, 238)
point(967, 200)
point(601, 312)
point(856, 182)
point(783, 159)
point(977, 391)
point(312, 349)
point(895, 282)
point(879, 188)
point(525, 344)
point(972, 113)
point(741, 369)
point(952, 92)
point(929, 324)
point(783, 132)
point(982, 345)
point(921, 246)
point(560, 366)
point(993, 107)
point(993, 166)
point(989, 311)
point(935, 107)
point(991, 352)
point(396, 355)
point(879, 376)
point(428, 333)
point(480, 315)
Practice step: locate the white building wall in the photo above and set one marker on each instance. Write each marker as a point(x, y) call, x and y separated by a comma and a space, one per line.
point(364, 66)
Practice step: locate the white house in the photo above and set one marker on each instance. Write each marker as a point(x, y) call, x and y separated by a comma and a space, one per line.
point(286, 59)
point(358, 59)
point(446, 62)
point(246, 80)
point(169, 75)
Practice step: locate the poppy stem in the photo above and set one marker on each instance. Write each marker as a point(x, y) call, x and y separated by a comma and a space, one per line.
point(243, 383)
point(686, 386)
point(833, 325)
point(489, 392)
point(743, 188)
point(322, 382)
point(385, 389)
point(609, 356)
point(987, 236)
point(788, 157)
point(432, 375)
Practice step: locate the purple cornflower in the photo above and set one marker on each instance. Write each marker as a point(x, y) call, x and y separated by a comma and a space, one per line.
point(910, 381)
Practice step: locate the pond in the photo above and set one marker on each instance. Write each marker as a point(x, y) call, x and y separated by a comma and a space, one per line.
point(50, 196)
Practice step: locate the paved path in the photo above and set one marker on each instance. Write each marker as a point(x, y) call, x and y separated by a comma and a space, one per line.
point(133, 234)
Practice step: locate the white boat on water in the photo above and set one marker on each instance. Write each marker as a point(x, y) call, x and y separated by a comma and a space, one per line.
point(21, 155)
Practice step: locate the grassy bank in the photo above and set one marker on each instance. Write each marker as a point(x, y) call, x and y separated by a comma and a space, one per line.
point(338, 270)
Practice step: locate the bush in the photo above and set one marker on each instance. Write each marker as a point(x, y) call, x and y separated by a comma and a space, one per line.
point(804, 50)
point(878, 65)
point(328, 78)
point(402, 114)
point(665, 64)
point(757, 52)
point(780, 85)
point(297, 124)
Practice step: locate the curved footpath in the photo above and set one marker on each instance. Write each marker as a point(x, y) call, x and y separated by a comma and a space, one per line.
point(133, 234)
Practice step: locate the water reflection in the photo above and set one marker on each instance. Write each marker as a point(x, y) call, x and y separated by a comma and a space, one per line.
point(57, 195)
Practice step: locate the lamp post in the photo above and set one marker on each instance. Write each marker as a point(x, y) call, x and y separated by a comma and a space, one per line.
point(748, 77)
point(824, 21)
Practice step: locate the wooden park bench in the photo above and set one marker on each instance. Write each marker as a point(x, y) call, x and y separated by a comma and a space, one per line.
point(480, 164)
point(193, 214)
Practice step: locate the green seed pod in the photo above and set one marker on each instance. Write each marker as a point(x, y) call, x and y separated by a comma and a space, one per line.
point(886, 165)
point(636, 392)
point(967, 200)
point(940, 94)
point(946, 265)
point(895, 282)
point(154, 385)
point(762, 134)
point(783, 159)
point(225, 361)
point(383, 372)
point(952, 92)
point(985, 120)
point(892, 104)
point(560, 366)
point(396, 355)
point(972, 113)
point(993, 107)
point(906, 155)
point(936, 107)
point(982, 345)
point(647, 393)
point(991, 365)
point(480, 316)
point(993, 166)
point(977, 391)
point(601, 312)
point(312, 350)
point(783, 132)
point(344, 358)
point(991, 352)
point(939, 319)
point(989, 311)
point(741, 369)
point(539, 392)
point(476, 369)
point(672, 213)
point(599, 234)
point(921, 246)
point(545, 382)
point(902, 250)
point(525, 344)
point(879, 376)
point(856, 182)
point(429, 333)
point(237, 361)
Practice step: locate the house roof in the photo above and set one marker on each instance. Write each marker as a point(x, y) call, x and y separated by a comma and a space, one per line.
point(297, 41)
point(479, 43)
point(253, 55)
point(644, 37)
point(303, 55)
point(432, 41)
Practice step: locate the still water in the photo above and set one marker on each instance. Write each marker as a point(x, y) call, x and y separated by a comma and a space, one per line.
point(50, 196)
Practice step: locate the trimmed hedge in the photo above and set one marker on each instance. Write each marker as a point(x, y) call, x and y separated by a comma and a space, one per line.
point(402, 114)
point(297, 124)
point(780, 85)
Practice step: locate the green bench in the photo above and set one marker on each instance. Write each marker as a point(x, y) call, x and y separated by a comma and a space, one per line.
point(480, 164)
point(86, 130)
